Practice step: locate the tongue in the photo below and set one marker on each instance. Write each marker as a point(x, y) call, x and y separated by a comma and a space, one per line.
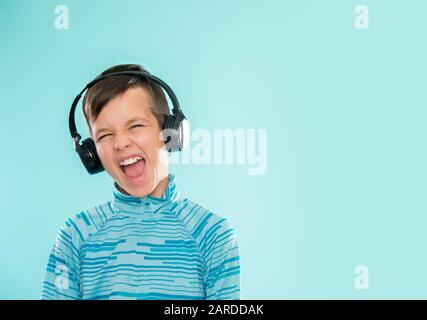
point(134, 170)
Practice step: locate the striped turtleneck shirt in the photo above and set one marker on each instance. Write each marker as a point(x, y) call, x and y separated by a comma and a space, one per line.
point(144, 248)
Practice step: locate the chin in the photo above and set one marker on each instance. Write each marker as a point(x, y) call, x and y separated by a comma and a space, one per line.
point(140, 191)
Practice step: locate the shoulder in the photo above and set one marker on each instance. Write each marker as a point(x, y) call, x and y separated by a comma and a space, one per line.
point(202, 222)
point(80, 226)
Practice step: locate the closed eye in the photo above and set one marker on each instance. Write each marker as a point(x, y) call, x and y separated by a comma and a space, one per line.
point(109, 134)
point(137, 125)
point(104, 136)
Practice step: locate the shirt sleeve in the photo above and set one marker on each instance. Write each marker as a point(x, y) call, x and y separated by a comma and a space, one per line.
point(223, 266)
point(61, 280)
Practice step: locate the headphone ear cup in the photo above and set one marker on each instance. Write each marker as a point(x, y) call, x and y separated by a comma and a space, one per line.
point(170, 133)
point(89, 156)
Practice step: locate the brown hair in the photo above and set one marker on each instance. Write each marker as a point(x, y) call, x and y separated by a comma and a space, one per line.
point(107, 89)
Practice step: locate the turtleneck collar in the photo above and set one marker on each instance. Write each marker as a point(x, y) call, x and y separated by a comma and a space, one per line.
point(129, 203)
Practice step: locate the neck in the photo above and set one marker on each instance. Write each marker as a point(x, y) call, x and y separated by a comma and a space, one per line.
point(161, 187)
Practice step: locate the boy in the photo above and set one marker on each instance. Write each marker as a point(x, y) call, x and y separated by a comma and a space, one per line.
point(148, 242)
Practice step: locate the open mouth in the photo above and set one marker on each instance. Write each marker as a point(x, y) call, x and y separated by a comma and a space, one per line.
point(133, 168)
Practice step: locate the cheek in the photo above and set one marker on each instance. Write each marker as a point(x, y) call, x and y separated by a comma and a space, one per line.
point(151, 145)
point(105, 155)
point(149, 141)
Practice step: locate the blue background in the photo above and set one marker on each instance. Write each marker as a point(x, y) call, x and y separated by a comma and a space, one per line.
point(345, 111)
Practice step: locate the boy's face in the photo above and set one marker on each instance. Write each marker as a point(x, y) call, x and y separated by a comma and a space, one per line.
point(126, 128)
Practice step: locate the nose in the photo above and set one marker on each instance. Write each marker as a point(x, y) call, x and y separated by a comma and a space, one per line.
point(121, 142)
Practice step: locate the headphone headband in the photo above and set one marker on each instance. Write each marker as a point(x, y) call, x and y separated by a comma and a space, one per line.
point(176, 110)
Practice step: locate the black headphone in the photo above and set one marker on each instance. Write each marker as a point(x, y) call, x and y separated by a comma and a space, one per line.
point(175, 128)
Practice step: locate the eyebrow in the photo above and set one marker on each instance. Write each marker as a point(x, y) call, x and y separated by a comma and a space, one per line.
point(127, 122)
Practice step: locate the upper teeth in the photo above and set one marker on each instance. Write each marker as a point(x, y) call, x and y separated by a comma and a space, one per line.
point(130, 161)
